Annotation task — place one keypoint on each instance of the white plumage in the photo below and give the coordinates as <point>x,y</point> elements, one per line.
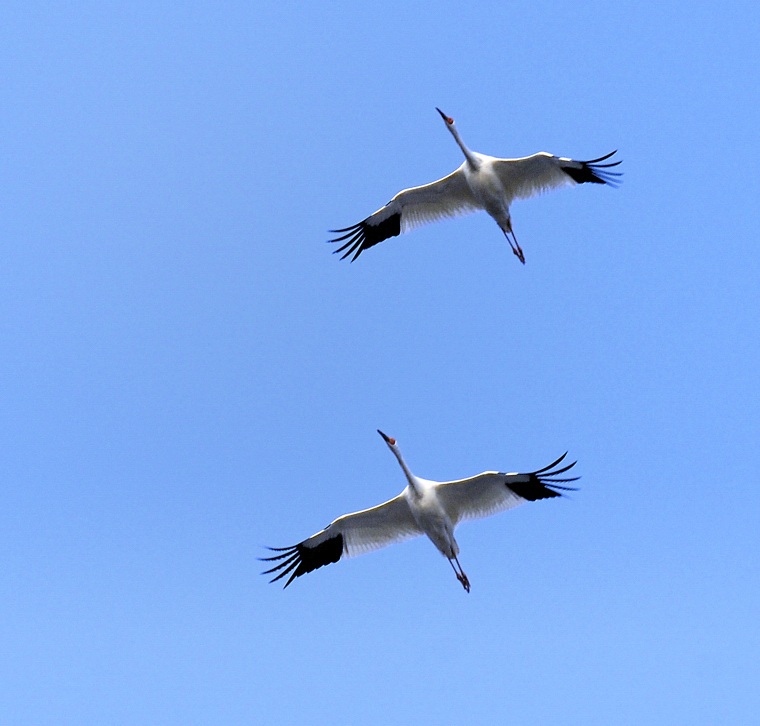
<point>481,183</point>
<point>423,507</point>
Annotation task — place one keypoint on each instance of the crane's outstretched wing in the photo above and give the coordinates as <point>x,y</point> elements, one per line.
<point>492,492</point>
<point>348,536</point>
<point>532,175</point>
<point>410,208</point>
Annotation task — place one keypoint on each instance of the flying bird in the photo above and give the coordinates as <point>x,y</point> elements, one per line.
<point>423,507</point>
<point>482,182</point>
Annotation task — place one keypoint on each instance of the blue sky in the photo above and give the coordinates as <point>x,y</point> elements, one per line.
<point>189,375</point>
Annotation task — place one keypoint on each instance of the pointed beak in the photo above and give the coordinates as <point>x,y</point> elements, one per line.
<point>388,439</point>
<point>449,121</point>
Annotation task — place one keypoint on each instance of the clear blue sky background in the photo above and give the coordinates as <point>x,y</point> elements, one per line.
<point>187,373</point>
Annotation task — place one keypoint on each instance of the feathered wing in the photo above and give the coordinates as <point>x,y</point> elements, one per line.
<point>348,536</point>
<point>492,492</point>
<point>532,175</point>
<point>443,199</point>
<point>410,208</point>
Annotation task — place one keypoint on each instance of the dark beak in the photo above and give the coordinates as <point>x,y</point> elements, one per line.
<point>387,439</point>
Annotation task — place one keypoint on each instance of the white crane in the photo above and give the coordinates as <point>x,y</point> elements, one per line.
<point>482,182</point>
<point>424,507</point>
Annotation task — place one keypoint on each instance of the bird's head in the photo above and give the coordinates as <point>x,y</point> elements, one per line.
<point>446,119</point>
<point>388,440</point>
<point>414,482</point>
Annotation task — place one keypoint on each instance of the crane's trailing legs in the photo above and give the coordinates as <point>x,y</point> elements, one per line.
<point>460,574</point>
<point>513,242</point>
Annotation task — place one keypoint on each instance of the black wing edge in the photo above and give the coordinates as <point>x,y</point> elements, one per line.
<point>301,559</point>
<point>364,235</point>
<point>593,171</point>
<point>543,483</point>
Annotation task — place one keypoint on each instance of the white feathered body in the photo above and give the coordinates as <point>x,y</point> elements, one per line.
<point>431,517</point>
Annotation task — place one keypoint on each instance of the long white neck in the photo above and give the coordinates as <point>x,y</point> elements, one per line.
<point>471,158</point>
<point>413,481</point>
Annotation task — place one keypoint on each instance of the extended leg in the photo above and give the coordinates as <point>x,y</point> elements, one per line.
<point>507,229</point>
<point>460,574</point>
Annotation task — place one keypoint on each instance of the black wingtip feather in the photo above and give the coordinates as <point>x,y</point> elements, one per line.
<point>300,559</point>
<point>543,484</point>
<point>594,172</point>
<point>365,235</point>
<point>552,465</point>
<point>603,158</point>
